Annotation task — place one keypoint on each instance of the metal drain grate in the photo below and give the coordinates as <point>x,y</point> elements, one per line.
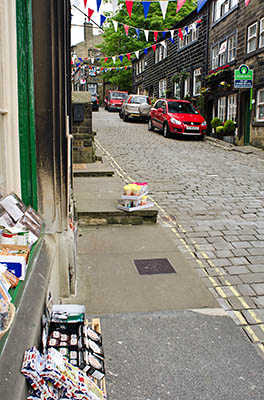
<point>154,266</point>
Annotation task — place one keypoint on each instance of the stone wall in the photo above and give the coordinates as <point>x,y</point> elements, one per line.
<point>83,149</point>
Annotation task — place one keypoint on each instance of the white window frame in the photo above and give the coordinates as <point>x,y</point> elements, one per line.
<point>221,8</point>
<point>156,55</point>
<point>187,86</point>
<point>231,48</point>
<point>215,57</point>
<point>261,33</point>
<point>162,87</point>
<point>252,37</point>
<point>177,90</point>
<point>232,107</point>
<point>197,73</point>
<point>259,104</point>
<point>194,34</point>
<point>221,108</point>
<point>222,55</point>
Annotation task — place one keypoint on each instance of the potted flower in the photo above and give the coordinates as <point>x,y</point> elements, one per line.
<point>229,131</point>
<point>216,122</point>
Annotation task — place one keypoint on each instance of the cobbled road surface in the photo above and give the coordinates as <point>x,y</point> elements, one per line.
<point>213,197</point>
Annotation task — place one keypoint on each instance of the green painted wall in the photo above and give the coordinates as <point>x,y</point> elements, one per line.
<point>26,110</point>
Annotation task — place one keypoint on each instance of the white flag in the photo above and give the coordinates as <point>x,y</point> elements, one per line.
<point>115,23</point>
<point>172,34</point>
<point>163,43</point>
<point>114,5</point>
<point>137,53</point>
<point>92,60</point>
<point>146,34</point>
<point>194,26</point>
<point>114,59</point>
<point>163,6</point>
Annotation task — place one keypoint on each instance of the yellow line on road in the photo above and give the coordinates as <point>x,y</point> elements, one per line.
<point>221,292</point>
<point>252,334</point>
<point>254,315</point>
<point>260,345</point>
<point>240,317</point>
<point>213,281</point>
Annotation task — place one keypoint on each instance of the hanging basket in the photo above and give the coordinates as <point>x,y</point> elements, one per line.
<point>10,318</point>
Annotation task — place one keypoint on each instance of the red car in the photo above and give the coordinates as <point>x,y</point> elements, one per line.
<point>175,117</point>
<point>114,100</point>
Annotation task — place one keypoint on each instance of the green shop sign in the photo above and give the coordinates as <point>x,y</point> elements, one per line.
<point>243,77</point>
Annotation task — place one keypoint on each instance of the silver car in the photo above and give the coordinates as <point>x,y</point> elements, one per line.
<point>135,106</point>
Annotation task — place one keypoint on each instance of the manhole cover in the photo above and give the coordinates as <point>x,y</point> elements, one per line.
<point>154,266</point>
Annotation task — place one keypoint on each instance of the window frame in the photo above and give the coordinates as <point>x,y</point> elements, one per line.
<point>261,33</point>
<point>162,89</point>
<point>221,107</point>
<point>177,88</point>
<point>232,107</point>
<point>233,49</point>
<point>195,81</point>
<point>252,37</point>
<point>258,106</point>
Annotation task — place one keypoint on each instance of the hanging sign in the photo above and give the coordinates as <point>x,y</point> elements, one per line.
<point>243,77</point>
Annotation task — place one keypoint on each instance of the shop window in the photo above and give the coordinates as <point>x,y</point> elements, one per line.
<point>261,33</point>
<point>252,38</point>
<point>232,107</point>
<point>232,48</point>
<point>197,81</point>
<point>177,90</point>
<point>260,105</point>
<point>222,108</point>
<point>162,87</point>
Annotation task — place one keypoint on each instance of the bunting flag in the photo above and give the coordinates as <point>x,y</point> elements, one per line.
<point>115,23</point>
<point>79,58</point>
<point>137,31</point>
<point>105,59</point>
<point>102,19</point>
<point>137,54</point>
<point>146,35</point>
<point>126,29</point>
<point>180,33</point>
<point>121,58</point>
<point>114,5</point>
<point>129,6</point>
<point>163,43</point>
<point>186,30</point>
<point>90,13</point>
<point>163,6</point>
<point>92,60</point>
<point>154,46</point>
<point>200,4</point>
<point>146,51</point>
<point>155,36</point>
<point>146,5</point>
<point>172,34</point>
<point>98,2</point>
<point>180,3</point>
<point>128,56</point>
<point>85,3</point>
<point>114,59</point>
<point>247,3</point>
<point>172,40</point>
<point>164,34</point>
<point>125,67</point>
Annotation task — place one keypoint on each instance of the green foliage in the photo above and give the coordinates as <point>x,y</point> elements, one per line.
<point>180,77</point>
<point>117,43</point>
<point>220,130</point>
<point>229,127</point>
<point>216,122</point>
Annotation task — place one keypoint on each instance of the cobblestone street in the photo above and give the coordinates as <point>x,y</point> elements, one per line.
<point>212,200</point>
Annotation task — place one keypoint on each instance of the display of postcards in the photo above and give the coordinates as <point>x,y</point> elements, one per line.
<point>95,348</point>
<point>64,337</point>
<point>73,340</point>
<point>74,361</point>
<point>93,335</point>
<point>73,354</point>
<point>94,366</point>
<point>6,220</point>
<point>64,351</point>
<point>32,214</point>
<point>63,344</point>
<point>53,342</point>
<point>13,205</point>
<point>26,224</point>
<point>55,335</point>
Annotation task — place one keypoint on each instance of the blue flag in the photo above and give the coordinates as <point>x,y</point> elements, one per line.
<point>200,4</point>
<point>121,58</point>
<point>137,30</point>
<point>172,40</point>
<point>146,5</point>
<point>164,34</point>
<point>98,2</point>
<point>102,19</point>
<point>146,51</point>
<point>80,59</point>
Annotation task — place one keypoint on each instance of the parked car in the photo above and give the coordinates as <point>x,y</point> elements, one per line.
<point>135,106</point>
<point>114,99</point>
<point>177,117</point>
<point>95,102</point>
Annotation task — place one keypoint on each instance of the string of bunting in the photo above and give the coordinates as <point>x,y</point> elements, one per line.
<point>98,70</point>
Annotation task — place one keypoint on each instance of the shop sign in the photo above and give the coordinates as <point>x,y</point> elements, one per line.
<point>243,77</point>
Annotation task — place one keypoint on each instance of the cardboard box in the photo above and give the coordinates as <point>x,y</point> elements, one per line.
<point>13,205</point>
<point>15,262</point>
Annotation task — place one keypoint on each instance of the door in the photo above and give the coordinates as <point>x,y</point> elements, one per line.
<point>244,120</point>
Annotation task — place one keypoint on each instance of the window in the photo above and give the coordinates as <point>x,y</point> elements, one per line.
<point>197,81</point>
<point>232,107</point>
<point>160,53</point>
<point>189,37</point>
<point>252,38</point>
<point>187,86</point>
<point>260,105</point>
<point>156,55</point>
<point>221,108</point>
<point>194,34</point>
<point>261,33</point>
<point>231,48</point>
<point>177,90</point>
<point>162,87</point>
<point>215,57</point>
<point>137,68</point>
<point>222,53</point>
<point>222,7</point>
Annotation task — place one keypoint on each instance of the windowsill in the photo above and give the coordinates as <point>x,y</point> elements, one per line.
<point>257,124</point>
<point>224,16</point>
<point>186,47</point>
<point>254,53</point>
<point>160,61</point>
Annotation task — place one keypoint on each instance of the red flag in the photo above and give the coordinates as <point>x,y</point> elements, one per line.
<point>90,13</point>
<point>154,47</point>
<point>128,56</point>
<point>155,35</point>
<point>102,68</point>
<point>126,28</point>
<point>106,58</point>
<point>85,3</point>
<point>125,67</point>
<point>246,2</point>
<point>90,66</point>
<point>85,58</point>
<point>180,34</point>
<point>129,5</point>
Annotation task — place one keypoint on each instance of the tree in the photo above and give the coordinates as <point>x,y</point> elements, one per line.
<point>118,43</point>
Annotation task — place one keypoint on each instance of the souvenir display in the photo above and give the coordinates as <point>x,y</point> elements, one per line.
<point>134,197</point>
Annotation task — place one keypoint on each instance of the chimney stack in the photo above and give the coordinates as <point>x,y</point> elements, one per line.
<point>88,31</point>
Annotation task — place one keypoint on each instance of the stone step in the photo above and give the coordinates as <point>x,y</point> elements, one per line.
<point>97,168</point>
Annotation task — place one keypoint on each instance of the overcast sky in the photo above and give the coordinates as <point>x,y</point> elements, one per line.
<point>78,18</point>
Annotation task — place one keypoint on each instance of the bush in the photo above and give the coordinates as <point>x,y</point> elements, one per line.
<point>220,130</point>
<point>216,122</point>
<point>229,127</point>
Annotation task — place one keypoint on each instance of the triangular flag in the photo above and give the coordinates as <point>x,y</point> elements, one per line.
<point>98,2</point>
<point>121,58</point>
<point>137,31</point>
<point>180,34</point>
<point>114,59</point>
<point>163,43</point>
<point>146,5</point>
<point>105,59</point>
<point>79,58</point>
<point>92,60</point>
<point>172,34</point>
<point>137,54</point>
<point>146,34</point>
<point>155,35</point>
<point>128,56</point>
<point>172,40</point>
<point>129,5</point>
<point>102,68</point>
<point>164,34</point>
<point>194,26</point>
<point>163,6</point>
<point>186,30</point>
<point>114,5</point>
<point>180,3</point>
<point>126,28</point>
<point>90,13</point>
<point>115,23</point>
<point>200,4</point>
<point>154,47</point>
<point>198,21</point>
<point>246,2</point>
<point>146,51</point>
<point>85,3</point>
<point>125,67</point>
<point>102,19</point>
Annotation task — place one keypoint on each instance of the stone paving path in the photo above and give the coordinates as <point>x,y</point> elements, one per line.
<point>212,199</point>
